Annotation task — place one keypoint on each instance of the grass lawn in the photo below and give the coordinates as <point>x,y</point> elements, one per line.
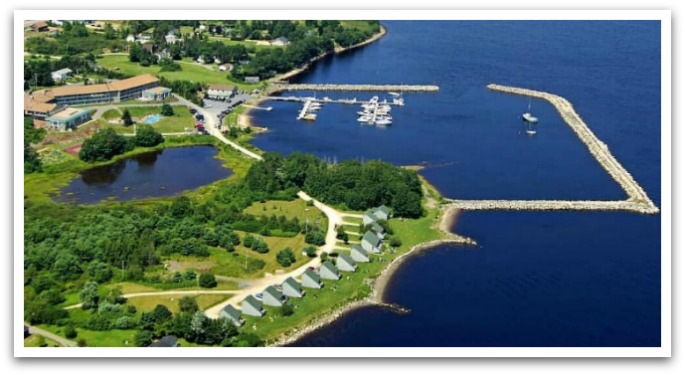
<point>277,244</point>
<point>35,341</point>
<point>181,120</point>
<point>221,263</point>
<point>249,44</point>
<point>112,114</point>
<point>361,25</point>
<point>232,118</point>
<point>290,209</point>
<point>204,301</point>
<point>111,338</point>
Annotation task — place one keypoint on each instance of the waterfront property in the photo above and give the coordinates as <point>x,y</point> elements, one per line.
<point>375,214</point>
<point>156,93</point>
<point>232,314</point>
<point>221,92</point>
<point>292,288</point>
<point>345,263</point>
<point>311,280</point>
<point>273,297</point>
<point>358,254</point>
<point>329,271</point>
<point>68,118</point>
<point>378,229</point>
<point>371,243</point>
<point>166,342</point>
<point>252,307</point>
<point>61,75</point>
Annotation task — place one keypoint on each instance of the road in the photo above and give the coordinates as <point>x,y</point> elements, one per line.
<point>334,218</point>
<point>166,293</point>
<point>41,332</point>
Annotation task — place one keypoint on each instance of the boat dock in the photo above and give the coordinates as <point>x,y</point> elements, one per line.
<point>305,108</point>
<point>637,201</point>
<point>326,100</point>
<point>351,87</point>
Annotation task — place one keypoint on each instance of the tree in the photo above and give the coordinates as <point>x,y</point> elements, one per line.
<point>147,136</point>
<point>143,338</point>
<point>310,251</point>
<point>286,310</point>
<point>197,325</point>
<point>315,238</point>
<point>188,304</point>
<point>32,162</point>
<point>161,314</point>
<point>248,240</point>
<point>126,117</point>
<point>395,241</point>
<point>81,342</point>
<point>207,280</point>
<point>102,146</point>
<point>89,295</point>
<point>70,331</point>
<point>181,207</point>
<point>167,110</point>
<point>285,257</point>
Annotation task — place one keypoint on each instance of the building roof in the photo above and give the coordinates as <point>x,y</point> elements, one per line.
<point>252,301</point>
<point>359,249</point>
<point>221,87</point>
<point>346,258</point>
<point>67,114</point>
<point>270,290</point>
<point>311,274</point>
<point>377,227</point>
<point>124,84</point>
<point>136,81</point>
<point>329,266</point>
<point>232,312</point>
<point>166,342</point>
<point>62,71</point>
<point>158,90</point>
<point>384,209</point>
<point>39,24</point>
<point>31,104</point>
<point>371,214</point>
<point>292,283</point>
<point>371,238</point>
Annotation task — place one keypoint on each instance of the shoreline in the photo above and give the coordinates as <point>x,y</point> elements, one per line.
<point>380,284</point>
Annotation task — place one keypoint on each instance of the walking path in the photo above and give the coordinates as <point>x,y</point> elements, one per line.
<point>166,293</point>
<point>41,332</point>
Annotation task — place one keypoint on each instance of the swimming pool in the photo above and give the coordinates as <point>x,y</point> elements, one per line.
<point>152,119</point>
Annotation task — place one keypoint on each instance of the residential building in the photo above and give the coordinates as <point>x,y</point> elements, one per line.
<point>130,38</point>
<point>378,229</point>
<point>171,38</point>
<point>292,288</point>
<point>369,217</point>
<point>221,92</point>
<point>383,212</point>
<point>252,79</point>
<point>61,75</point>
<point>158,93</point>
<point>329,271</point>
<point>280,41</point>
<point>371,243</point>
<point>273,297</point>
<point>148,46</point>
<point>68,118</point>
<point>35,106</point>
<point>311,280</point>
<point>39,26</point>
<point>226,67</point>
<point>252,307</point>
<point>345,263</point>
<point>232,314</point>
<point>166,342</point>
<point>358,254</point>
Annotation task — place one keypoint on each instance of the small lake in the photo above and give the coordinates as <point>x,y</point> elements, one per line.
<point>160,173</point>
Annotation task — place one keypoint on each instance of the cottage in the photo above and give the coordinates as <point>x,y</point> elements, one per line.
<point>61,75</point>
<point>156,93</point>
<point>345,263</point>
<point>68,118</point>
<point>221,92</point>
<point>378,229</point>
<point>39,26</point>
<point>171,38</point>
<point>359,255</point>
<point>383,212</point>
<point>232,314</point>
<point>369,217</point>
<point>311,279</point>
<point>252,79</point>
<point>273,297</point>
<point>329,271</point>
<point>292,288</point>
<point>130,38</point>
<point>166,342</point>
<point>226,67</point>
<point>371,243</point>
<point>252,307</point>
<point>280,41</point>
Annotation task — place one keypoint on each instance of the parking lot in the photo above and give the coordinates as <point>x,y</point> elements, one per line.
<point>220,109</point>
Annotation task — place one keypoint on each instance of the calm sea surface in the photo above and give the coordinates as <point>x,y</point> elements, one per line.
<point>538,279</point>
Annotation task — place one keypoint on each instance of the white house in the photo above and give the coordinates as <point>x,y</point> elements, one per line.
<point>226,67</point>
<point>171,38</point>
<point>130,38</point>
<point>61,75</point>
<point>221,92</point>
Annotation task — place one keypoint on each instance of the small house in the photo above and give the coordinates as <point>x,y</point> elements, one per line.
<point>345,263</point>
<point>221,92</point>
<point>158,93</point>
<point>226,67</point>
<point>166,342</point>
<point>371,243</point>
<point>67,118</point>
<point>369,217</point>
<point>329,271</point>
<point>130,38</point>
<point>171,38</point>
<point>149,47</point>
<point>378,229</point>
<point>311,279</point>
<point>61,75</point>
<point>39,26</point>
<point>252,79</point>
<point>232,314</point>
<point>292,288</point>
<point>358,254</point>
<point>273,297</point>
<point>383,212</point>
<point>252,307</point>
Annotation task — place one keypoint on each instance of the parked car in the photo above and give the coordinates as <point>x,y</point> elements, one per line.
<point>193,111</point>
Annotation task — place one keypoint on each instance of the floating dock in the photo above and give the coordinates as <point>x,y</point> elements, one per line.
<point>305,108</point>
<point>362,87</point>
<point>637,201</point>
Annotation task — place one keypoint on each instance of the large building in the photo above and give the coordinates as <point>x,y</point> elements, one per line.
<point>221,92</point>
<point>68,118</point>
<point>115,91</point>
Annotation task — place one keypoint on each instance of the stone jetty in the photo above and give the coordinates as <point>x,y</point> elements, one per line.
<point>637,201</point>
<point>277,87</point>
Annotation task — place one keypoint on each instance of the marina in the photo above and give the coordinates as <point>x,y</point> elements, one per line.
<point>373,111</point>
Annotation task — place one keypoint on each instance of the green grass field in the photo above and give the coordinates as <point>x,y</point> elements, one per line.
<point>36,341</point>
<point>181,120</point>
<point>204,301</point>
<point>290,209</point>
<point>111,338</point>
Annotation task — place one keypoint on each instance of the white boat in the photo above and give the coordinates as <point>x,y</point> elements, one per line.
<point>309,117</point>
<point>398,101</point>
<point>364,113</point>
<point>365,118</point>
<point>384,107</point>
<point>387,120</point>
<point>395,93</point>
<point>528,116</point>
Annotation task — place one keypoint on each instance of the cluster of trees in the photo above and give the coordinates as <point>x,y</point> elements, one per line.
<point>37,70</point>
<point>356,185</point>
<point>32,162</point>
<point>286,257</point>
<point>106,143</point>
<point>186,89</point>
<point>75,39</point>
<point>256,243</point>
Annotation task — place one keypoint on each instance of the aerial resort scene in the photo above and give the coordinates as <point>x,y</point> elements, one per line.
<point>341,183</point>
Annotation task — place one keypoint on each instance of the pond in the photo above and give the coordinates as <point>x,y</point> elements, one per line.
<point>161,173</point>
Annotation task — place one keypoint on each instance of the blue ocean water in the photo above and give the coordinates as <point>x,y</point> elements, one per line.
<point>538,279</point>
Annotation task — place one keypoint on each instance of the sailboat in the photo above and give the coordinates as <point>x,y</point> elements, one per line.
<point>528,117</point>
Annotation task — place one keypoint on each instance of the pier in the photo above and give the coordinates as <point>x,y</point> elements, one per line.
<point>302,99</point>
<point>351,87</point>
<point>637,201</point>
<point>305,108</point>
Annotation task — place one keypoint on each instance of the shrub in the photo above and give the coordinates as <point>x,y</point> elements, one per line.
<point>286,310</point>
<point>167,110</point>
<point>147,136</point>
<point>81,342</point>
<point>124,322</point>
<point>310,251</point>
<point>144,338</point>
<point>285,257</point>
<point>70,332</point>
<point>395,241</point>
<point>207,280</point>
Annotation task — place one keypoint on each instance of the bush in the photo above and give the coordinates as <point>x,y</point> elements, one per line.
<point>315,238</point>
<point>167,110</point>
<point>144,338</point>
<point>286,310</point>
<point>310,251</point>
<point>147,136</point>
<point>124,322</point>
<point>70,332</point>
<point>260,246</point>
<point>81,343</point>
<point>126,117</point>
<point>323,256</point>
<point>188,305</point>
<point>248,240</point>
<point>207,280</point>
<point>285,257</point>
<point>395,241</point>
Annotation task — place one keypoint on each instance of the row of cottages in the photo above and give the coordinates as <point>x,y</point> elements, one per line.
<point>221,92</point>
<point>358,254</point>
<point>272,296</point>
<point>371,242</point>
